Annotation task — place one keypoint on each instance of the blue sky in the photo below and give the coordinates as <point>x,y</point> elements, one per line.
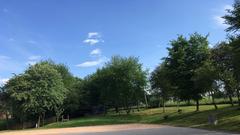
<point>83,34</point>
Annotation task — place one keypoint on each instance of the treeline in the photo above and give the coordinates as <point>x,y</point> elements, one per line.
<point>47,89</point>
<point>191,71</point>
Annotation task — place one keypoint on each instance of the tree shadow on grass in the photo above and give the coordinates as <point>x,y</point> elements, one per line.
<point>198,119</point>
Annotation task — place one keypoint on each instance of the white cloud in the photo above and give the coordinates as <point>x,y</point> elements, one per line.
<point>34,57</point>
<point>228,7</point>
<point>3,81</point>
<point>93,38</point>
<point>219,21</point>
<point>7,64</point>
<point>11,39</point>
<point>90,63</point>
<point>94,35</point>
<point>3,57</point>
<point>96,52</point>
<point>32,41</point>
<point>91,41</point>
<point>93,62</point>
<point>32,60</point>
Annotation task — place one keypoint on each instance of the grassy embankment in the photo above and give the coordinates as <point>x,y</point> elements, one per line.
<point>228,118</point>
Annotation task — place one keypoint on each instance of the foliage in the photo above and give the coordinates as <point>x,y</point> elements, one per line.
<point>161,84</point>
<point>233,18</point>
<point>184,58</point>
<point>120,83</point>
<point>38,90</point>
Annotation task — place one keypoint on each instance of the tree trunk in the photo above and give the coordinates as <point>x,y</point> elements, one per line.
<point>231,100</point>
<point>43,119</point>
<point>39,121</point>
<point>197,105</point>
<point>188,102</point>
<point>177,105</point>
<point>213,100</point>
<point>7,124</point>
<point>146,102</point>
<point>57,118</point>
<point>159,103</point>
<point>128,109</point>
<point>127,106</point>
<point>163,105</point>
<point>238,96</point>
<point>105,110</point>
<point>138,109</point>
<point>116,109</point>
<point>22,122</point>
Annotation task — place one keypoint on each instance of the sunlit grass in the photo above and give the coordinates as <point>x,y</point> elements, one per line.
<point>228,117</point>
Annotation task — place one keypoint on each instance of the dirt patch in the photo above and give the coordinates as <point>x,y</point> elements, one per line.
<point>88,129</point>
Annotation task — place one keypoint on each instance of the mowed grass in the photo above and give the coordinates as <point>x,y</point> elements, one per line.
<point>228,118</point>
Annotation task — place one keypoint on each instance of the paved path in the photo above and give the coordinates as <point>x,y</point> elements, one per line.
<point>124,129</point>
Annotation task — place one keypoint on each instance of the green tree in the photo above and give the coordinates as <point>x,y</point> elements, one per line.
<point>38,90</point>
<point>233,18</point>
<point>185,56</point>
<point>235,45</point>
<point>161,84</point>
<point>17,89</point>
<point>75,99</point>
<point>223,60</point>
<point>4,105</point>
<point>205,80</point>
<point>120,83</point>
<point>128,80</point>
<point>73,95</point>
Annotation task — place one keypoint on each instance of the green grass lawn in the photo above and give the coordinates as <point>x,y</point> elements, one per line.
<point>228,118</point>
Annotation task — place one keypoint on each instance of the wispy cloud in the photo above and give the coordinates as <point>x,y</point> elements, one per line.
<point>228,7</point>
<point>93,62</point>
<point>32,60</point>
<point>91,41</point>
<point>32,42</point>
<point>9,65</point>
<point>3,57</point>
<point>219,21</point>
<point>34,57</point>
<point>3,81</point>
<point>11,39</point>
<point>94,35</point>
<point>96,52</point>
<point>93,38</point>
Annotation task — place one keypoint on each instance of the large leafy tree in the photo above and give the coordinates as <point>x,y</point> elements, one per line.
<point>232,18</point>
<point>205,80</point>
<point>17,90</point>
<point>175,64</point>
<point>4,104</point>
<point>129,80</point>
<point>75,98</point>
<point>120,83</point>
<point>185,56</point>
<point>222,57</point>
<point>160,83</point>
<point>38,90</point>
